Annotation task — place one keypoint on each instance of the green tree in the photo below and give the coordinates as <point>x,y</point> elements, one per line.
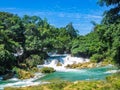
<point>71,31</point>
<point>109,30</point>
<point>112,15</point>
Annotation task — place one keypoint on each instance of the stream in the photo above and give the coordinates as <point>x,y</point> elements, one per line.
<point>62,73</point>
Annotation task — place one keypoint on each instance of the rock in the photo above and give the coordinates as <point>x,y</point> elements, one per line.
<point>22,74</point>
<point>58,64</point>
<point>90,65</point>
<point>82,65</point>
<point>8,76</point>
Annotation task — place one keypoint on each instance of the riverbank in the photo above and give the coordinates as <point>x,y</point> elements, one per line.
<point>88,65</point>
<point>110,83</point>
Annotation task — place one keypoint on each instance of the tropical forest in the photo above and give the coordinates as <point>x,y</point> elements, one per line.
<point>36,55</point>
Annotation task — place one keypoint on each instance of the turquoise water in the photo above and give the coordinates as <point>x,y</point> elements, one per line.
<point>83,74</point>
<point>79,74</point>
<point>98,73</point>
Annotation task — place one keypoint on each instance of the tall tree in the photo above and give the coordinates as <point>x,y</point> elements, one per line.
<point>112,15</point>
<point>109,30</point>
<point>71,31</point>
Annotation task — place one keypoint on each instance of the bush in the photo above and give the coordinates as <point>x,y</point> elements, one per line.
<point>23,66</point>
<point>35,69</point>
<point>22,74</point>
<point>47,70</point>
<point>97,58</point>
<point>7,59</point>
<point>34,60</point>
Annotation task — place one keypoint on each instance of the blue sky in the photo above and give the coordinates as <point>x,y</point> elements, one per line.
<point>59,12</point>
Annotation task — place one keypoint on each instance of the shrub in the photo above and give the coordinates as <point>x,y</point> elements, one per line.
<point>22,74</point>
<point>34,60</point>
<point>47,70</point>
<point>97,58</point>
<point>23,66</point>
<point>7,61</point>
<point>35,69</point>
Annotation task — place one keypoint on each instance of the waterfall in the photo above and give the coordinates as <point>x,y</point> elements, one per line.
<point>64,60</point>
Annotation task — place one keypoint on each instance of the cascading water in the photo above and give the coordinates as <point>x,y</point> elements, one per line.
<point>64,60</point>
<point>61,73</point>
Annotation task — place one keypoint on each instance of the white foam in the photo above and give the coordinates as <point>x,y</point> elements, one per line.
<point>22,83</point>
<point>30,82</point>
<point>66,60</point>
<point>13,79</point>
<point>112,71</point>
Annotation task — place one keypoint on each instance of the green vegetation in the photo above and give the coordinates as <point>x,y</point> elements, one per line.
<point>82,65</point>
<point>25,41</point>
<point>22,74</point>
<point>111,83</point>
<point>103,42</point>
<point>47,70</point>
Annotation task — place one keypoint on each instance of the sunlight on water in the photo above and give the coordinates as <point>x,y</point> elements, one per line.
<point>62,73</point>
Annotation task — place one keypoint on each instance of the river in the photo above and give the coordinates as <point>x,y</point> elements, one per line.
<point>62,73</point>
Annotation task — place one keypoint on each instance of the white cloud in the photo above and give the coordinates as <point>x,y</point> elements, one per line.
<point>81,21</point>
<point>94,16</point>
<point>9,8</point>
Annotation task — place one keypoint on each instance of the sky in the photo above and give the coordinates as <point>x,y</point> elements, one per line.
<point>59,12</point>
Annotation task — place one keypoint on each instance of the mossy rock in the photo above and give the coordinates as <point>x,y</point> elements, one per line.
<point>82,65</point>
<point>22,74</point>
<point>23,66</point>
<point>35,69</point>
<point>59,64</point>
<point>47,70</point>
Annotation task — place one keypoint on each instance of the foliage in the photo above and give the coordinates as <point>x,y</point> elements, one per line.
<point>47,70</point>
<point>33,61</point>
<point>7,60</point>
<point>112,15</point>
<point>31,36</point>
<point>71,31</point>
<point>97,58</point>
<point>103,41</point>
<point>109,37</point>
<point>86,46</point>
<point>22,74</point>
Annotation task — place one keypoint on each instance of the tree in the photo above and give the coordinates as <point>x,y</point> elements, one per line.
<point>112,15</point>
<point>109,30</point>
<point>71,31</point>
